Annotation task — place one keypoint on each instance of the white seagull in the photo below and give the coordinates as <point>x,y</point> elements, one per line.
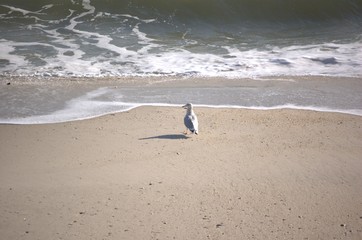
<point>190,119</point>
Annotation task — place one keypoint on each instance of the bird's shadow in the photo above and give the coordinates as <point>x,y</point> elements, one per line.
<point>167,136</point>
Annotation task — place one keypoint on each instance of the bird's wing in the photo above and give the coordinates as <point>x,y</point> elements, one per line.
<point>194,121</point>
<point>189,122</point>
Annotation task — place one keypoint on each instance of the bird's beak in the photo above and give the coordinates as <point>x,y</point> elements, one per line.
<point>184,106</point>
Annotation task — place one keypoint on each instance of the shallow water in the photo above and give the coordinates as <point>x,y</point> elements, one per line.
<point>50,101</point>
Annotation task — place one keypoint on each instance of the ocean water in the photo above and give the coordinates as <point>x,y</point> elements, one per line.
<point>227,39</point>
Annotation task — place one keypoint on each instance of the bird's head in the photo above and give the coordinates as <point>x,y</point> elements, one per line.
<point>187,106</point>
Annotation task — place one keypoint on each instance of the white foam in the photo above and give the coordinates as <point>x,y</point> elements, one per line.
<point>15,9</point>
<point>250,63</point>
<point>15,61</point>
<point>102,41</point>
<point>137,18</point>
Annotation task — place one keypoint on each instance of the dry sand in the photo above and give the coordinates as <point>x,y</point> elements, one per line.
<point>281,174</point>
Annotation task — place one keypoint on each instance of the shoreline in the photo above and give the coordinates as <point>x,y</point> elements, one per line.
<point>291,174</point>
<point>41,120</point>
<point>66,99</point>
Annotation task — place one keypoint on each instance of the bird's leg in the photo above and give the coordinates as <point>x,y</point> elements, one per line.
<point>185,132</point>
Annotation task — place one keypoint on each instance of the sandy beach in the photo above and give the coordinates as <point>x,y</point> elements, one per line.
<point>278,174</point>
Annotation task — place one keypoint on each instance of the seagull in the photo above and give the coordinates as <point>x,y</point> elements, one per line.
<point>190,119</point>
